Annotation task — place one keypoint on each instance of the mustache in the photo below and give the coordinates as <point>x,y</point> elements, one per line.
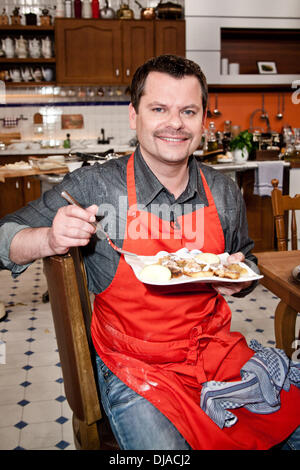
<point>169,132</point>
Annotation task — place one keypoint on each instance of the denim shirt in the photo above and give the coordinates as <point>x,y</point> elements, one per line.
<point>105,185</point>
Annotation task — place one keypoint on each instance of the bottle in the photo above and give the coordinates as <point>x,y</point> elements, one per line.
<point>68,8</point>
<point>95,9</point>
<point>212,143</point>
<point>67,142</point>
<point>60,9</point>
<point>86,9</point>
<point>77,8</point>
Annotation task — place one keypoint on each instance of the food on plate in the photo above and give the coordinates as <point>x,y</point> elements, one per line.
<point>238,268</point>
<point>227,273</point>
<point>174,264</point>
<point>207,258</point>
<point>200,265</point>
<point>155,272</point>
<point>194,269</point>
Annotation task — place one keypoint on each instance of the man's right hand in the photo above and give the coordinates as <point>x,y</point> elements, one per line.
<point>71,227</point>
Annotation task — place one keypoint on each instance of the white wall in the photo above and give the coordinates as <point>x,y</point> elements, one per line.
<point>204,21</point>
<point>243,8</point>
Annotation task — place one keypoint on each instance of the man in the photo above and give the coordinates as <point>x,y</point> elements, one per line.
<point>156,346</point>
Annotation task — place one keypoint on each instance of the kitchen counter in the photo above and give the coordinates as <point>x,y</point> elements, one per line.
<point>63,151</point>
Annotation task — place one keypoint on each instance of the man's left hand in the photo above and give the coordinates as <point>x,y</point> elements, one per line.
<point>230,288</point>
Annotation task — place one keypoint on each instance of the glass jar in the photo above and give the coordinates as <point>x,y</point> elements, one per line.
<point>212,143</point>
<point>292,143</point>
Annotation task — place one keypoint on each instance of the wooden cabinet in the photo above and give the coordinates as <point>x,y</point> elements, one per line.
<point>170,37</point>
<point>17,192</point>
<point>137,45</point>
<point>92,52</point>
<point>107,52</point>
<point>259,215</point>
<point>29,33</point>
<point>259,210</point>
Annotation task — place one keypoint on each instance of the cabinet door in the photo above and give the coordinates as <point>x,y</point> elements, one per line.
<point>259,214</point>
<point>88,52</point>
<point>11,196</point>
<point>137,46</point>
<point>170,37</point>
<point>31,188</point>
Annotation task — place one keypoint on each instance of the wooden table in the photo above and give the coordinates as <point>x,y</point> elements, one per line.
<point>30,172</point>
<point>276,266</point>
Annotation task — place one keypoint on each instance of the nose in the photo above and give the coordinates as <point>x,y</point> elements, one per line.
<point>175,120</point>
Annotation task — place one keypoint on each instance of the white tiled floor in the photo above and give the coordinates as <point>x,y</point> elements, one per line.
<point>34,413</point>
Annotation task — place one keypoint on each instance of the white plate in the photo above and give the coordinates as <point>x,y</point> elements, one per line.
<point>137,264</point>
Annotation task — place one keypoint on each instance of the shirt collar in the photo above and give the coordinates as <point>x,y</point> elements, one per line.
<point>148,186</point>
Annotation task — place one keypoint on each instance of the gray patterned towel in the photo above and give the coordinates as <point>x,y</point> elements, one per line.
<point>263,377</point>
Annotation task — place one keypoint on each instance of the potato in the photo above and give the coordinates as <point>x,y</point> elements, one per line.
<point>155,273</point>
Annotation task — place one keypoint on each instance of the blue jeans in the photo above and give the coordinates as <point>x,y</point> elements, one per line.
<point>135,422</point>
<point>138,425</point>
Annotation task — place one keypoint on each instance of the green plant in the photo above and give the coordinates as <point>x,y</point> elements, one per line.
<point>243,140</point>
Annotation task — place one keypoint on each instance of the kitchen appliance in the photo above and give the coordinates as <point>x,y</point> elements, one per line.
<point>169,11</point>
<point>107,13</point>
<point>146,13</point>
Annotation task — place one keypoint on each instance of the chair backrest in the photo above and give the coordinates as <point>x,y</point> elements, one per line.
<point>280,205</point>
<point>71,310</point>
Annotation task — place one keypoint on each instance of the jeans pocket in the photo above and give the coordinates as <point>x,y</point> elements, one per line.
<point>103,370</point>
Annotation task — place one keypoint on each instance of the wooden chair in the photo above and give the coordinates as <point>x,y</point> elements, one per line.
<point>71,310</point>
<point>285,316</point>
<point>281,204</point>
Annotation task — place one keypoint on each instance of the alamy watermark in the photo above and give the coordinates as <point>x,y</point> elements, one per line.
<point>159,221</point>
<point>296,93</point>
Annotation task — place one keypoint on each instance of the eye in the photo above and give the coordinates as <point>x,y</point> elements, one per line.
<point>158,109</point>
<point>189,112</point>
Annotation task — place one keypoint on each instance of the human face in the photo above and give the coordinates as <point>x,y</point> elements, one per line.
<point>169,120</point>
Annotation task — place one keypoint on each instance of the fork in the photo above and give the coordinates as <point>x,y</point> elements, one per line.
<point>97,226</point>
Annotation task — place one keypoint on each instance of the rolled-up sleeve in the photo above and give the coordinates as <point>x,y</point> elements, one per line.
<point>7,233</point>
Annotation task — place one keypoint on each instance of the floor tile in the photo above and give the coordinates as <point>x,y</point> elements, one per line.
<point>10,395</point>
<point>41,435</point>
<point>34,413</point>
<point>10,414</point>
<point>9,437</point>
<point>42,390</point>
<point>41,411</point>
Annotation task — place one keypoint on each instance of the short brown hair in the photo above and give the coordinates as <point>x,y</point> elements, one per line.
<point>176,66</point>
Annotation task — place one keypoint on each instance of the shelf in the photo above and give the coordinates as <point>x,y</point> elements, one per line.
<point>29,84</point>
<point>213,87</point>
<point>13,60</point>
<point>254,82</point>
<point>18,27</point>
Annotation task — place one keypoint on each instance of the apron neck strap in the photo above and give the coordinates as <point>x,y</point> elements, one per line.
<point>132,200</point>
<point>131,190</point>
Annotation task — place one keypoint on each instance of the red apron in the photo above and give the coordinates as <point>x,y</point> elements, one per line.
<point>165,341</point>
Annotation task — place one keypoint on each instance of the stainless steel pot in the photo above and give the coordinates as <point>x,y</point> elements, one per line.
<point>107,13</point>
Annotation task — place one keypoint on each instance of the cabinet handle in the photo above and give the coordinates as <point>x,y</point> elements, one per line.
<point>117,72</point>
<point>127,72</point>
<point>17,185</point>
<point>28,185</point>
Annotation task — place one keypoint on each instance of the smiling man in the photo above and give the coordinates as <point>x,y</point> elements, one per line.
<point>158,347</point>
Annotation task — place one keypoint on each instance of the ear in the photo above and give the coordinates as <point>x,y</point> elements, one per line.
<point>132,117</point>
